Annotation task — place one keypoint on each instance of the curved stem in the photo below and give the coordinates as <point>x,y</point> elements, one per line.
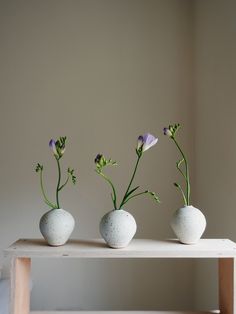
<point>112,186</point>
<point>63,185</point>
<point>181,190</point>
<point>187,196</point>
<point>180,170</point>
<point>58,183</point>
<point>44,194</point>
<point>131,181</point>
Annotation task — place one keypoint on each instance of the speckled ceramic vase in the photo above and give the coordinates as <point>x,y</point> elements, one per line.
<point>56,226</point>
<point>117,228</point>
<point>188,223</point>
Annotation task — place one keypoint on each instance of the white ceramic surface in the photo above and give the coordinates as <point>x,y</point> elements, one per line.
<point>188,223</point>
<point>117,228</point>
<point>56,226</point>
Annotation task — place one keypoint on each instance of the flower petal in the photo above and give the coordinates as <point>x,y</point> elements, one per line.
<point>149,140</point>
<point>52,145</point>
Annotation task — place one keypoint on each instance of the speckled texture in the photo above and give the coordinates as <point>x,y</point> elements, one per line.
<point>117,228</point>
<point>56,226</point>
<point>188,223</point>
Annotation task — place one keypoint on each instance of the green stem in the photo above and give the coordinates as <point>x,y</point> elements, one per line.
<point>112,186</point>
<point>44,194</point>
<point>63,185</point>
<point>181,190</point>
<point>59,182</point>
<point>187,196</point>
<point>131,181</point>
<point>135,195</point>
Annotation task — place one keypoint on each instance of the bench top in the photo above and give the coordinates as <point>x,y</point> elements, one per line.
<point>138,248</point>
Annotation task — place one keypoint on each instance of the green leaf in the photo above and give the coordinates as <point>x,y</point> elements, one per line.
<point>74,179</point>
<point>132,191</point>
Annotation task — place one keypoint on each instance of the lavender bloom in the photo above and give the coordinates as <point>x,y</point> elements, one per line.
<point>167,132</point>
<point>52,145</point>
<point>146,141</point>
<point>58,147</point>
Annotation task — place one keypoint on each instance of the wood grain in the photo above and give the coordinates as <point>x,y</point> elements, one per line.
<point>138,248</point>
<point>227,296</point>
<point>20,290</point>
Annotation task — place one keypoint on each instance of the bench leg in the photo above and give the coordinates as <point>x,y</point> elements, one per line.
<point>227,281</point>
<point>20,286</point>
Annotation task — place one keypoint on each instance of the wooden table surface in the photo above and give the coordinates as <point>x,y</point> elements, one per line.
<point>138,248</point>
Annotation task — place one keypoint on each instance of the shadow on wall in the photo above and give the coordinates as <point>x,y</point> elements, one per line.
<point>4,296</point>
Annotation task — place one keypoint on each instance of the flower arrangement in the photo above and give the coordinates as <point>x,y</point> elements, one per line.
<point>171,133</point>
<point>58,149</point>
<point>145,142</point>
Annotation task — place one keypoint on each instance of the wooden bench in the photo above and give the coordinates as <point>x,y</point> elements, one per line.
<point>23,250</point>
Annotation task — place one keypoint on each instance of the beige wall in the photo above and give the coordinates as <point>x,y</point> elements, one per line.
<point>215,130</point>
<point>101,72</point>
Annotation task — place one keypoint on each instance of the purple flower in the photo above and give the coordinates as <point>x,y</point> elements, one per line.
<point>146,141</point>
<point>58,147</point>
<point>167,132</point>
<point>52,145</point>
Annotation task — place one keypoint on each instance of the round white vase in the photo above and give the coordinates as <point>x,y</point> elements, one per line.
<point>56,226</point>
<point>118,228</point>
<point>188,223</point>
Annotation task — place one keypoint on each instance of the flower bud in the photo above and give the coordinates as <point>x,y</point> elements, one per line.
<point>167,132</point>
<point>52,145</point>
<point>98,159</point>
